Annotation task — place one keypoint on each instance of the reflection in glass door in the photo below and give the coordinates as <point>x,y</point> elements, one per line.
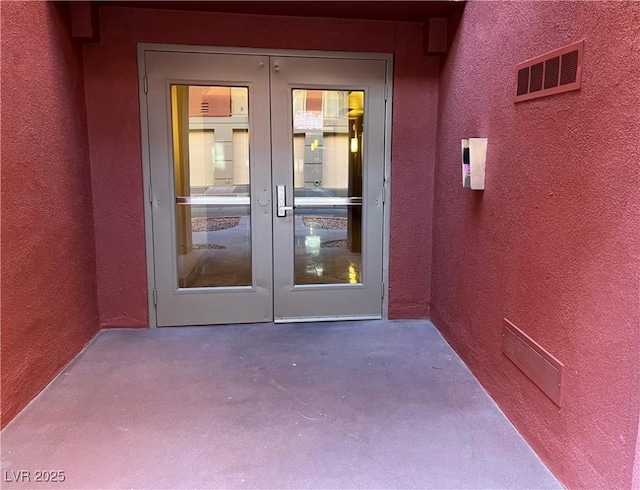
<point>210,135</point>
<point>327,156</point>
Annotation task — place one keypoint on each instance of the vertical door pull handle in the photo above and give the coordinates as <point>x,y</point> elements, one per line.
<point>281,196</point>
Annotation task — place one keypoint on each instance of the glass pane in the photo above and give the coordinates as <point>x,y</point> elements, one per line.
<point>327,167</point>
<point>212,187</point>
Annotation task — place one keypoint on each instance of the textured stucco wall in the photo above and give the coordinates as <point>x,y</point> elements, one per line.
<point>49,306</point>
<point>553,243</point>
<point>114,138</point>
<point>635,485</point>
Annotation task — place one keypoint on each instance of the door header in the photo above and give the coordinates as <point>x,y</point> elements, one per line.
<point>298,53</point>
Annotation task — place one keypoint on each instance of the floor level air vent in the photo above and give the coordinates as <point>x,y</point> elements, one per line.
<point>549,74</point>
<point>538,364</point>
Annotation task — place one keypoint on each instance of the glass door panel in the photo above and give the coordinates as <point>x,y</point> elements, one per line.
<point>327,164</point>
<point>210,139</point>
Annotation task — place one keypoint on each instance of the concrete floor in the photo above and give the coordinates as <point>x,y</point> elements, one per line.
<point>384,404</point>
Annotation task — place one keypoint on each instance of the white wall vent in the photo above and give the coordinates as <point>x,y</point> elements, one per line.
<point>552,73</point>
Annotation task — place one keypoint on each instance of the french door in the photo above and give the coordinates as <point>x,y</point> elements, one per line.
<point>266,187</point>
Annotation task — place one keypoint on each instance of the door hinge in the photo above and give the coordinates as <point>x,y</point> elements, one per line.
<point>155,297</point>
<point>150,194</point>
<point>382,289</point>
<point>146,84</point>
<point>386,92</point>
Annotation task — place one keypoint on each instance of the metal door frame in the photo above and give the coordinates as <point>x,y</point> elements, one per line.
<point>146,161</point>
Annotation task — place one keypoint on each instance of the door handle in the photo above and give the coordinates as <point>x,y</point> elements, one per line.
<point>281,197</point>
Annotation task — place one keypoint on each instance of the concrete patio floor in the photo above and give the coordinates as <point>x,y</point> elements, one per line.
<point>378,404</point>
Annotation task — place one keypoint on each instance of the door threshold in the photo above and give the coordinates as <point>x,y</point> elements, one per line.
<point>308,319</point>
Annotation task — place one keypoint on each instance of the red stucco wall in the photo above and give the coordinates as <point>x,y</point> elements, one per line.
<point>114,136</point>
<point>49,307</point>
<point>553,243</point>
<point>636,467</point>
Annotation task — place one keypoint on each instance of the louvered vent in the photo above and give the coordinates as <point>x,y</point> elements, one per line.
<point>523,81</point>
<point>549,74</point>
<point>204,107</point>
<point>569,70</point>
<point>551,71</point>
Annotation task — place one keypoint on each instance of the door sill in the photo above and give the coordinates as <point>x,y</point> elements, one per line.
<point>331,318</point>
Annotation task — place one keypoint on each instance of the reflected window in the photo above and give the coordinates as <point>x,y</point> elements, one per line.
<point>212,186</point>
<point>327,168</point>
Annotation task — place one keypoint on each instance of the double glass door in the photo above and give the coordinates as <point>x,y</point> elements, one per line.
<point>266,187</point>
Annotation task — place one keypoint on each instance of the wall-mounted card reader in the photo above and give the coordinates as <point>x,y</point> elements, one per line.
<point>474,157</point>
